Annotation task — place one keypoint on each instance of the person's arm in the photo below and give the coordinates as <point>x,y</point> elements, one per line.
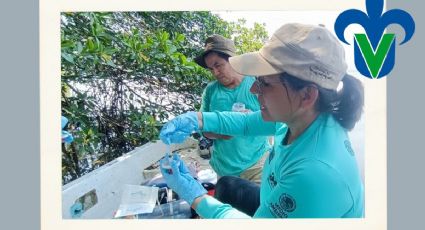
<point>235,124</point>
<point>312,190</point>
<point>210,208</point>
<point>226,123</point>
<point>205,101</point>
<point>191,190</point>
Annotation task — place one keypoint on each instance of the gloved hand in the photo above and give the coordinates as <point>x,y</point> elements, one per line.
<point>179,128</point>
<point>64,121</point>
<point>180,180</point>
<point>66,136</point>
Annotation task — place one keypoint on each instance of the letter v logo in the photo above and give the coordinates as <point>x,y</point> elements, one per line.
<point>374,51</point>
<point>374,58</point>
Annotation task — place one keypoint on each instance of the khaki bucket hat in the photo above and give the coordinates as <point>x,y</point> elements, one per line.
<point>216,43</point>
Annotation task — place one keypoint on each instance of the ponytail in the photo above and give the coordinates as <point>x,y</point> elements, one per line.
<point>346,105</point>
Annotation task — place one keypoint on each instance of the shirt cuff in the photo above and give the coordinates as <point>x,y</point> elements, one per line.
<point>210,208</point>
<point>209,121</point>
<point>207,206</point>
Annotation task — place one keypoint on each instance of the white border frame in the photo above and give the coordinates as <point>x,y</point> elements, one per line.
<point>51,214</point>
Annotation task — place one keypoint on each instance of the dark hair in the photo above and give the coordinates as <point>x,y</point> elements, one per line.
<point>346,105</point>
<point>220,54</point>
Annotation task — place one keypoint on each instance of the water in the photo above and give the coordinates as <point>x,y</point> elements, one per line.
<point>168,159</point>
<point>167,162</point>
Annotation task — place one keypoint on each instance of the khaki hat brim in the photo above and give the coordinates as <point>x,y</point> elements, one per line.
<point>200,60</point>
<point>252,64</point>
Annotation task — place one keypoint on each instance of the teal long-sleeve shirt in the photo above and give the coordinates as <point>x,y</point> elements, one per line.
<point>316,176</point>
<point>232,157</point>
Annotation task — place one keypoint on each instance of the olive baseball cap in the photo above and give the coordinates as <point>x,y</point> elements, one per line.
<point>308,52</point>
<point>216,43</point>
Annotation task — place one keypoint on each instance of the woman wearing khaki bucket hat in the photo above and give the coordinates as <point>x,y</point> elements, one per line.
<point>312,171</point>
<point>240,156</point>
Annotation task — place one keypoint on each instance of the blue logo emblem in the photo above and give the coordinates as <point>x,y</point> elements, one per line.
<point>374,51</point>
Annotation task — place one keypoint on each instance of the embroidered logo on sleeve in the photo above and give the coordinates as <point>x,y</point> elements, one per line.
<point>350,150</point>
<point>286,204</point>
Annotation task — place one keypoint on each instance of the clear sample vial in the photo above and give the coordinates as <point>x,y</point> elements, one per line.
<point>238,107</point>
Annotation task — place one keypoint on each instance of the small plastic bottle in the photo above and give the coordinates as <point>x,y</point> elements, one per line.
<point>178,209</point>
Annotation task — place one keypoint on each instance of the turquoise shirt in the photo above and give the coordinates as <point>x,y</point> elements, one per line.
<point>316,176</point>
<point>232,157</point>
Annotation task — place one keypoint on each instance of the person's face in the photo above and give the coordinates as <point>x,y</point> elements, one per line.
<point>220,68</point>
<point>278,102</point>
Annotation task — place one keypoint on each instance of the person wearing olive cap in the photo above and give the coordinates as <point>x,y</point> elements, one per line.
<point>312,171</point>
<point>231,156</point>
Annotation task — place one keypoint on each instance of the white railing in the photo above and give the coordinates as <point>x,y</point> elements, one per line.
<point>108,180</point>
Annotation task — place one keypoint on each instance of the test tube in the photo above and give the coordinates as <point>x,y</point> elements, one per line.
<point>168,159</point>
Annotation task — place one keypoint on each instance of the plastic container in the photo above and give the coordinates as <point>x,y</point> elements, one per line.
<point>207,175</point>
<point>238,107</point>
<point>173,210</point>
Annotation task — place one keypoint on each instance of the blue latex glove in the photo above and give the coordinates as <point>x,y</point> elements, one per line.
<point>180,180</point>
<point>67,137</point>
<point>179,128</point>
<point>64,121</point>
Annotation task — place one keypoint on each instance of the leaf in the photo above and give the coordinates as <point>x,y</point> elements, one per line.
<point>142,56</point>
<point>67,44</point>
<point>68,57</point>
<point>79,47</point>
<point>160,56</point>
<point>90,44</point>
<point>180,38</point>
<point>105,57</point>
<point>110,63</point>
<point>172,48</point>
<point>183,58</point>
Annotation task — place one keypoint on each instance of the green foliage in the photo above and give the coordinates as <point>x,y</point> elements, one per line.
<point>248,40</point>
<point>125,73</point>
